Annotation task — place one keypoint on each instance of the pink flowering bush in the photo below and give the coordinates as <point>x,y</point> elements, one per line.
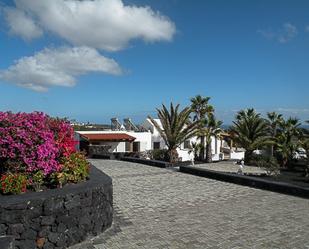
<point>33,142</point>
<point>63,135</point>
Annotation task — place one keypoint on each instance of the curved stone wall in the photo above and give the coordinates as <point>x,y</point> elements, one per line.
<point>58,218</point>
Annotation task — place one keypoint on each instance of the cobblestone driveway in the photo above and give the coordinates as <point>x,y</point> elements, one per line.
<point>161,208</point>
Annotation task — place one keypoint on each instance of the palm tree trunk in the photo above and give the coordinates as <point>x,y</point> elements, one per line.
<point>284,162</point>
<point>248,156</point>
<point>271,150</point>
<point>202,152</point>
<point>173,156</point>
<point>208,153</point>
<point>307,166</point>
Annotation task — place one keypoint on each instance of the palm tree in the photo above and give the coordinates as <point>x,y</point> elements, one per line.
<point>201,109</point>
<point>250,131</point>
<point>287,140</point>
<point>213,129</point>
<point>273,121</point>
<point>304,142</point>
<point>176,128</point>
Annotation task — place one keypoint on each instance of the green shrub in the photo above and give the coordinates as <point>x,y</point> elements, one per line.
<point>160,155</point>
<point>269,163</point>
<point>75,168</point>
<point>37,180</point>
<point>13,183</point>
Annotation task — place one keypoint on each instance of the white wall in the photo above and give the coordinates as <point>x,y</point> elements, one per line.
<point>184,155</point>
<point>143,137</point>
<point>237,155</point>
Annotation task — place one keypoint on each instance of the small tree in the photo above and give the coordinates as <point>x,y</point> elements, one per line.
<point>304,143</point>
<point>201,110</point>
<point>287,140</point>
<point>213,129</point>
<point>250,131</point>
<point>273,121</point>
<point>176,128</point>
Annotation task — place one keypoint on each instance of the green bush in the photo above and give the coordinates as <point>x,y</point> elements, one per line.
<point>269,163</point>
<point>13,183</point>
<point>160,155</point>
<point>37,180</point>
<point>75,168</point>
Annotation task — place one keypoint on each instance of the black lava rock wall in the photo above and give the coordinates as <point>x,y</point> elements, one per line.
<point>57,218</point>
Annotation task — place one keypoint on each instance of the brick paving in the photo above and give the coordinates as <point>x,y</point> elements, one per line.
<point>231,167</point>
<point>161,208</point>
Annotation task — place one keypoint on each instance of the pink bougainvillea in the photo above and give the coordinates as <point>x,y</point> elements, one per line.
<point>63,135</point>
<point>33,141</point>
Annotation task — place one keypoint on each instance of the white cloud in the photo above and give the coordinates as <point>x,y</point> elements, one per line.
<point>289,31</point>
<point>21,24</point>
<point>101,24</point>
<point>283,35</point>
<point>58,67</point>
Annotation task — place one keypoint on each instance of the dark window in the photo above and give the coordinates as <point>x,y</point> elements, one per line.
<point>136,146</point>
<point>156,145</point>
<point>128,147</point>
<point>187,144</point>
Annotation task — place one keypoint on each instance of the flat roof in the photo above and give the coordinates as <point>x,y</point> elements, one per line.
<point>108,137</point>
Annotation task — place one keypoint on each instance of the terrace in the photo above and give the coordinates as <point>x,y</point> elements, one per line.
<point>162,208</point>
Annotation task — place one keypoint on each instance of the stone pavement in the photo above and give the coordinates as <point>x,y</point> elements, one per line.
<point>231,167</point>
<point>161,208</point>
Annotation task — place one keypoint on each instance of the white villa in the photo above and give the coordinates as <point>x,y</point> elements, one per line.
<point>127,137</point>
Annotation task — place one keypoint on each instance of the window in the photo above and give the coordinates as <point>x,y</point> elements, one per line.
<point>156,145</point>
<point>136,146</point>
<point>128,147</point>
<point>187,144</point>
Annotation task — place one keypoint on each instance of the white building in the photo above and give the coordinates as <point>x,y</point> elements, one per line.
<point>124,140</point>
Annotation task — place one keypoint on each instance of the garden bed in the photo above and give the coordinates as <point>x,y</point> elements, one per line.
<point>275,184</point>
<point>155,163</point>
<point>294,177</point>
<point>58,218</point>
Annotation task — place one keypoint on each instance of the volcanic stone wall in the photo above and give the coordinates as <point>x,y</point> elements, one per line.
<point>57,218</point>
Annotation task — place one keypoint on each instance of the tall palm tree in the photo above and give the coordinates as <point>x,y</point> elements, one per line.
<point>201,109</point>
<point>250,131</point>
<point>287,141</point>
<point>176,127</point>
<point>273,120</point>
<point>213,129</point>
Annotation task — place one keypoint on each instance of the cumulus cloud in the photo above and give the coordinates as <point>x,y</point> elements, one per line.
<point>58,67</point>
<point>283,35</point>
<point>101,24</point>
<point>21,24</point>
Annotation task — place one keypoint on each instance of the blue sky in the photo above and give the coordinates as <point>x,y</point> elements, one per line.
<point>241,53</point>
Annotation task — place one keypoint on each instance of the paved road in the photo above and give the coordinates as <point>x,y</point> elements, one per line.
<point>231,167</point>
<point>160,208</point>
